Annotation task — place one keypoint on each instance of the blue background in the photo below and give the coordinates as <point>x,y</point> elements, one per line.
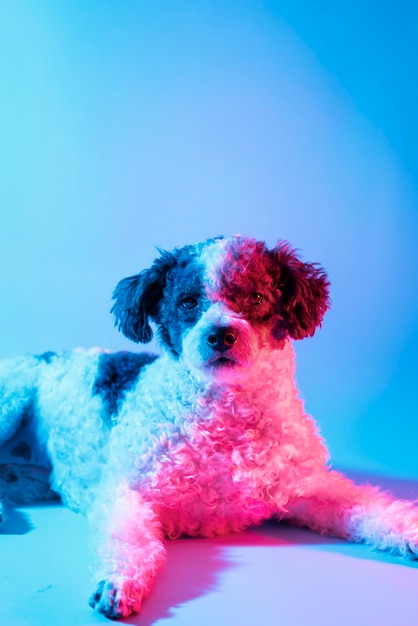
<point>127,125</point>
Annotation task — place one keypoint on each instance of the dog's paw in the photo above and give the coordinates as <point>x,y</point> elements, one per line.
<point>116,598</point>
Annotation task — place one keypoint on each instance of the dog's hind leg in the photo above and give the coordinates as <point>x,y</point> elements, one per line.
<point>24,469</point>
<point>365,514</point>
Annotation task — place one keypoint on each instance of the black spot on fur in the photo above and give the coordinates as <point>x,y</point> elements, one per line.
<point>22,450</point>
<point>10,475</point>
<point>46,356</point>
<point>116,374</point>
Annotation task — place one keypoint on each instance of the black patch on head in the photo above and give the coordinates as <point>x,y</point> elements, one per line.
<point>46,356</point>
<point>139,299</point>
<point>246,281</point>
<point>117,374</point>
<point>184,283</point>
<point>274,286</point>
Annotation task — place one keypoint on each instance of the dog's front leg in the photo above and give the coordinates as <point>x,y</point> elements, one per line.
<point>130,551</point>
<point>338,507</point>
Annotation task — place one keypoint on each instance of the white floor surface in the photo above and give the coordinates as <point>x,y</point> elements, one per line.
<point>271,575</point>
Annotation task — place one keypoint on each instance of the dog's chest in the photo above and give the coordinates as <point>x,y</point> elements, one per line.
<point>213,459</point>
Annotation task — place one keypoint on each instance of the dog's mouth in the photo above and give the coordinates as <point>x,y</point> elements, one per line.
<point>222,361</point>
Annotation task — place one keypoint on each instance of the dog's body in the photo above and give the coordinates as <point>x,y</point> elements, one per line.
<point>208,438</point>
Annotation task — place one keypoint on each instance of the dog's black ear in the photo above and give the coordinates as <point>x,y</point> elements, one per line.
<point>137,299</point>
<point>304,289</point>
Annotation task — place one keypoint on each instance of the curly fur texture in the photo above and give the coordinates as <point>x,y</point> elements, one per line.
<point>210,437</point>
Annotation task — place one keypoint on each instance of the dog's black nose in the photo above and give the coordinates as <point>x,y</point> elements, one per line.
<point>222,338</point>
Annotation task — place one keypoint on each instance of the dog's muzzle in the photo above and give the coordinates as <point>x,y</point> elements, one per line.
<point>221,344</point>
<point>220,340</point>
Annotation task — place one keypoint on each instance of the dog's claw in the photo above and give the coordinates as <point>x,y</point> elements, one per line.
<point>105,601</point>
<point>95,597</point>
<point>115,600</point>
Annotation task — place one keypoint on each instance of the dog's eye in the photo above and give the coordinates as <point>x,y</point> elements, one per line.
<point>256,298</point>
<point>189,302</point>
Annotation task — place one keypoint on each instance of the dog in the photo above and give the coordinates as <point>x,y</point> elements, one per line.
<point>207,438</point>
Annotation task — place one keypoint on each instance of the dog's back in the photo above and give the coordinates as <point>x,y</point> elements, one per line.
<point>60,405</point>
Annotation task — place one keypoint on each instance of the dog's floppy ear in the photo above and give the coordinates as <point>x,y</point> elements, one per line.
<point>304,291</point>
<point>137,299</point>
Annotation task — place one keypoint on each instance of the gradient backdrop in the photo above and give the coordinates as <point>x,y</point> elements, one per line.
<point>131,124</point>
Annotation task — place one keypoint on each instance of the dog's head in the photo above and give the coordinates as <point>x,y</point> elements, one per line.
<point>217,304</point>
